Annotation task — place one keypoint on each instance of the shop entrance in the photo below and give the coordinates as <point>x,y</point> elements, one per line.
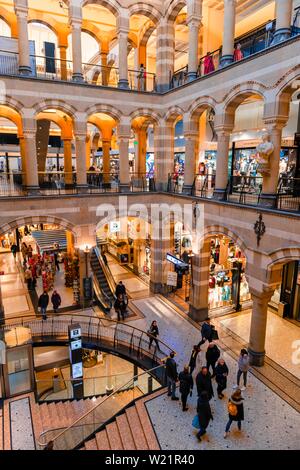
<point>286,298</point>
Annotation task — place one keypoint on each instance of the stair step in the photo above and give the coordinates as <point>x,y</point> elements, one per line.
<point>91,445</point>
<point>114,436</point>
<point>55,422</point>
<point>125,432</point>
<point>137,428</point>
<point>102,440</point>
<point>36,418</point>
<point>45,417</point>
<point>147,426</point>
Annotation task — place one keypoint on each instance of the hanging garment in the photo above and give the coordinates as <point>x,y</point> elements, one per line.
<point>238,55</point>
<point>208,64</point>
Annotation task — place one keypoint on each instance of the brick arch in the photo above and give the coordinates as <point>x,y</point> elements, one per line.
<point>173,113</point>
<point>105,109</point>
<point>55,104</point>
<point>146,32</point>
<point>222,230</point>
<point>200,105</point>
<point>37,219</point>
<point>145,9</point>
<point>6,17</point>
<point>241,92</point>
<point>12,103</point>
<point>48,24</point>
<point>174,8</point>
<point>145,112</point>
<point>112,5</point>
<point>283,256</point>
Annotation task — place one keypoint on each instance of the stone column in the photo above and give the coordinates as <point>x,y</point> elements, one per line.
<point>68,162</point>
<point>191,147</point>
<point>284,9</point>
<point>122,31</point>
<point>104,69</point>
<point>142,150</point>
<point>258,326</point>
<point>106,144</point>
<point>80,143</point>
<point>23,40</point>
<point>63,61</point>
<point>194,26</point>
<point>222,162</point>
<point>123,138</point>
<point>32,180</point>
<point>198,309</point>
<point>163,153</point>
<point>23,159</point>
<point>160,245</point>
<point>88,152</point>
<point>76,49</point>
<point>270,182</point>
<point>228,32</point>
<point>165,47</point>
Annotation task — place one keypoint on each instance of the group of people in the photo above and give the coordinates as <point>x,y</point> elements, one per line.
<point>203,367</point>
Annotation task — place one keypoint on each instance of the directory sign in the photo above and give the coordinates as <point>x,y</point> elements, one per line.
<point>176,261</point>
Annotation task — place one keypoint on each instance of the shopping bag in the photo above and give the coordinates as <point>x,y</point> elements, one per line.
<point>195,422</point>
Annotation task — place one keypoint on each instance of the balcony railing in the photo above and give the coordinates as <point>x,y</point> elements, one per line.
<point>50,68</point>
<point>244,189</point>
<point>288,195</point>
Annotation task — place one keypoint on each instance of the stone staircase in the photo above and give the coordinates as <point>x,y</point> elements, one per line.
<point>58,415</point>
<point>131,430</point>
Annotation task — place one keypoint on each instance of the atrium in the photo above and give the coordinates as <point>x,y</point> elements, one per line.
<point>149,225</point>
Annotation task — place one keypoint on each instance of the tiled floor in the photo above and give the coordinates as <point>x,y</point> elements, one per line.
<point>21,425</point>
<point>270,423</point>
<point>280,337</point>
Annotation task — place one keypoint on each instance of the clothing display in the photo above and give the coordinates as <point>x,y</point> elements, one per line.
<point>208,64</point>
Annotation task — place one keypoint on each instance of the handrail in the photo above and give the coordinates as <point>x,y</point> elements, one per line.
<point>103,297</point>
<point>107,272</point>
<point>92,410</point>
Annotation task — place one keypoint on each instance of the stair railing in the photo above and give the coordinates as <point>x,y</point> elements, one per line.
<point>90,422</point>
<point>107,272</point>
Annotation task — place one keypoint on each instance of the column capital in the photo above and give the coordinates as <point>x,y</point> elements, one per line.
<point>75,23</point>
<point>223,131</point>
<point>21,11</point>
<point>264,295</point>
<point>273,123</point>
<point>191,134</point>
<point>194,20</point>
<point>80,136</point>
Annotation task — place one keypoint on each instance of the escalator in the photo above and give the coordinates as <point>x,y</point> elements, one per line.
<point>104,283</point>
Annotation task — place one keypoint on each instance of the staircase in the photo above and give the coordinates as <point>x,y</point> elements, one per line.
<point>99,273</point>
<point>131,430</point>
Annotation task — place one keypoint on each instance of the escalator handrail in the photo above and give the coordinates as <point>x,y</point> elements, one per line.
<point>107,272</point>
<point>100,294</point>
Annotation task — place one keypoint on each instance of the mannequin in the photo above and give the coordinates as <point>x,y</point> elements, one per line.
<point>238,53</point>
<point>265,150</point>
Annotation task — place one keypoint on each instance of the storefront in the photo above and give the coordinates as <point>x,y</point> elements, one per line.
<point>286,297</point>
<point>228,286</point>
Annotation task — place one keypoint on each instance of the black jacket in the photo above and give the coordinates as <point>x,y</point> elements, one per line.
<point>203,383</point>
<point>220,378</point>
<point>43,300</point>
<point>240,407</point>
<point>120,305</point>
<point>56,300</point>
<point>171,369</point>
<point>193,358</point>
<point>186,383</point>
<point>204,412</point>
<point>154,331</point>
<point>213,354</point>
<point>206,331</point>
<point>120,289</point>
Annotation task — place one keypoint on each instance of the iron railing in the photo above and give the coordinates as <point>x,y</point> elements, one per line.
<point>244,189</point>
<point>288,194</point>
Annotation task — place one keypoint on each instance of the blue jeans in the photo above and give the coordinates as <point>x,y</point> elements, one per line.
<point>171,386</point>
<point>239,374</point>
<point>201,432</point>
<point>44,312</point>
<point>230,423</point>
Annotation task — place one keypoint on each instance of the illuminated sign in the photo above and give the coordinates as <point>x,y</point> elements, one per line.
<point>172,259</point>
<point>115,226</point>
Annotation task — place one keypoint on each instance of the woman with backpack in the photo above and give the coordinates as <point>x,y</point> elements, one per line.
<point>235,411</point>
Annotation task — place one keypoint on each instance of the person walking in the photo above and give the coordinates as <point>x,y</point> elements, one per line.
<point>206,332</point>
<point>43,304</point>
<point>56,261</point>
<point>235,411</point>
<point>204,413</point>
<point>172,376</point>
<point>24,251</point>
<point>29,251</point>
<point>203,383</point>
<point>56,301</point>
<point>153,334</point>
<point>221,372</point>
<point>185,386</point>
<point>120,307</point>
<point>243,367</point>
<point>212,355</point>
<point>14,250</point>
<point>193,359</point>
<point>120,289</point>
<point>28,277</point>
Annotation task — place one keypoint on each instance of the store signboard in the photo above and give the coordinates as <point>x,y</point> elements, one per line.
<point>176,261</point>
<point>115,226</point>
<point>172,279</point>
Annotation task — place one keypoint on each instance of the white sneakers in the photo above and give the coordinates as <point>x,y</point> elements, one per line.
<point>226,435</point>
<point>243,388</point>
<point>237,386</point>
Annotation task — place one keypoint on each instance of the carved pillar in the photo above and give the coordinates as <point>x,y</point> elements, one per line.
<point>258,326</point>
<point>228,32</point>
<point>284,9</point>
<point>223,134</point>
<point>23,40</point>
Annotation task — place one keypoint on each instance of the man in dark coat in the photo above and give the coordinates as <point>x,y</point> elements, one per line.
<point>43,304</point>
<point>206,332</point>
<point>204,413</point>
<point>172,376</point>
<point>56,301</point>
<point>120,289</point>
<point>120,307</point>
<point>221,372</point>
<point>212,355</point>
<point>203,383</point>
<point>185,386</point>
<point>193,359</point>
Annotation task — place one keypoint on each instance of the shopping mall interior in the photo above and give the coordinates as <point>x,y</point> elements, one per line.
<point>140,144</point>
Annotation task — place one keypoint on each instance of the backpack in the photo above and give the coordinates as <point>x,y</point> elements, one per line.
<point>232,409</point>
